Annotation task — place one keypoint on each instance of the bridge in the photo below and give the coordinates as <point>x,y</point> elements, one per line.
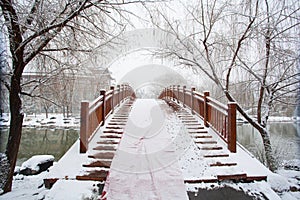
<point>159,146</point>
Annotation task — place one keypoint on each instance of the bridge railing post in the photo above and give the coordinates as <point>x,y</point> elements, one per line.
<point>118,94</point>
<point>192,99</point>
<point>112,88</point>
<point>84,126</point>
<point>231,132</point>
<point>206,111</point>
<point>122,93</point>
<point>178,87</point>
<point>172,93</point>
<point>102,92</point>
<point>184,90</point>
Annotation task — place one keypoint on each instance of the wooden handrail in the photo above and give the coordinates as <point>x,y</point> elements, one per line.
<point>221,118</point>
<point>93,114</point>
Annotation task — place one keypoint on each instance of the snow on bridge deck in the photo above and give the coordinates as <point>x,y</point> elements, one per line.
<point>146,149</point>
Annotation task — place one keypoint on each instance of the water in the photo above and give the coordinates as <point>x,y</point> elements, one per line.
<point>285,140</point>
<point>37,141</point>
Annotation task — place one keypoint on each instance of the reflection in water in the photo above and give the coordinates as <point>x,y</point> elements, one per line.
<point>285,139</point>
<point>41,141</point>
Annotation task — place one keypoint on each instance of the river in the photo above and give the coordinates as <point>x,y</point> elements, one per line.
<point>285,140</point>
<point>37,141</point>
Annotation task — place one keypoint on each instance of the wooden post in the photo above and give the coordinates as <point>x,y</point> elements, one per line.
<point>206,109</point>
<point>168,93</point>
<point>125,92</point>
<point>184,90</point>
<point>118,95</point>
<point>112,88</point>
<point>102,93</point>
<point>173,92</point>
<point>192,100</point>
<point>84,126</point>
<point>178,87</point>
<point>122,93</point>
<point>231,127</point>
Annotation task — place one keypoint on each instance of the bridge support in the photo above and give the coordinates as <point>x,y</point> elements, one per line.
<point>206,110</point>
<point>84,121</point>
<point>184,91</point>
<point>102,117</point>
<point>112,88</point>
<point>232,127</point>
<point>192,99</point>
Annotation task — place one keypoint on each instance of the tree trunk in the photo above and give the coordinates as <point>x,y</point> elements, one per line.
<point>271,162</point>
<point>46,110</point>
<point>15,130</point>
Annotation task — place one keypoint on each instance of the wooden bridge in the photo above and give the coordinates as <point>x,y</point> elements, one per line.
<point>112,145</point>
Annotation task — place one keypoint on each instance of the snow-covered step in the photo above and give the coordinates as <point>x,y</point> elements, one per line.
<point>112,136</point>
<point>113,131</point>
<point>95,175</point>
<point>210,148</point>
<point>222,164</point>
<point>114,127</point>
<point>190,121</point>
<point>116,123</point>
<point>197,141</point>
<point>216,155</point>
<point>199,135</point>
<point>108,141</point>
<point>99,163</point>
<point>103,155</point>
<point>198,131</point>
<point>105,147</point>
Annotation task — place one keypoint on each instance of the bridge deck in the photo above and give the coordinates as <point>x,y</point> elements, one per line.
<point>146,145</point>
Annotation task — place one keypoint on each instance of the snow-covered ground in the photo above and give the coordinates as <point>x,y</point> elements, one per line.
<point>40,120</point>
<point>32,188</point>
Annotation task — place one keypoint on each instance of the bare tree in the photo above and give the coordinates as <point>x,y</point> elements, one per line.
<point>224,41</point>
<point>44,27</point>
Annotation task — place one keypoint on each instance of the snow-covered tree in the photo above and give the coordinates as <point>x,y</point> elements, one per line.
<point>246,45</point>
<point>58,30</point>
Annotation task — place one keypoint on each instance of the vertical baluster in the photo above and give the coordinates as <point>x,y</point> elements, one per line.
<point>178,93</point>
<point>112,88</point>
<point>192,99</point>
<point>183,89</point>
<point>102,93</point>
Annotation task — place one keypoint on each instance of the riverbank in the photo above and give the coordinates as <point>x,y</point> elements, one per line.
<point>41,121</point>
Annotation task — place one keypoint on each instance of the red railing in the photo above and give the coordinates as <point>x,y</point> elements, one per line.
<point>221,118</point>
<point>93,114</point>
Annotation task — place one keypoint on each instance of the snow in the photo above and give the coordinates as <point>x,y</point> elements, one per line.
<point>40,120</point>
<point>27,187</point>
<point>69,165</point>
<point>76,190</point>
<point>34,162</point>
<point>153,168</point>
<point>281,119</point>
